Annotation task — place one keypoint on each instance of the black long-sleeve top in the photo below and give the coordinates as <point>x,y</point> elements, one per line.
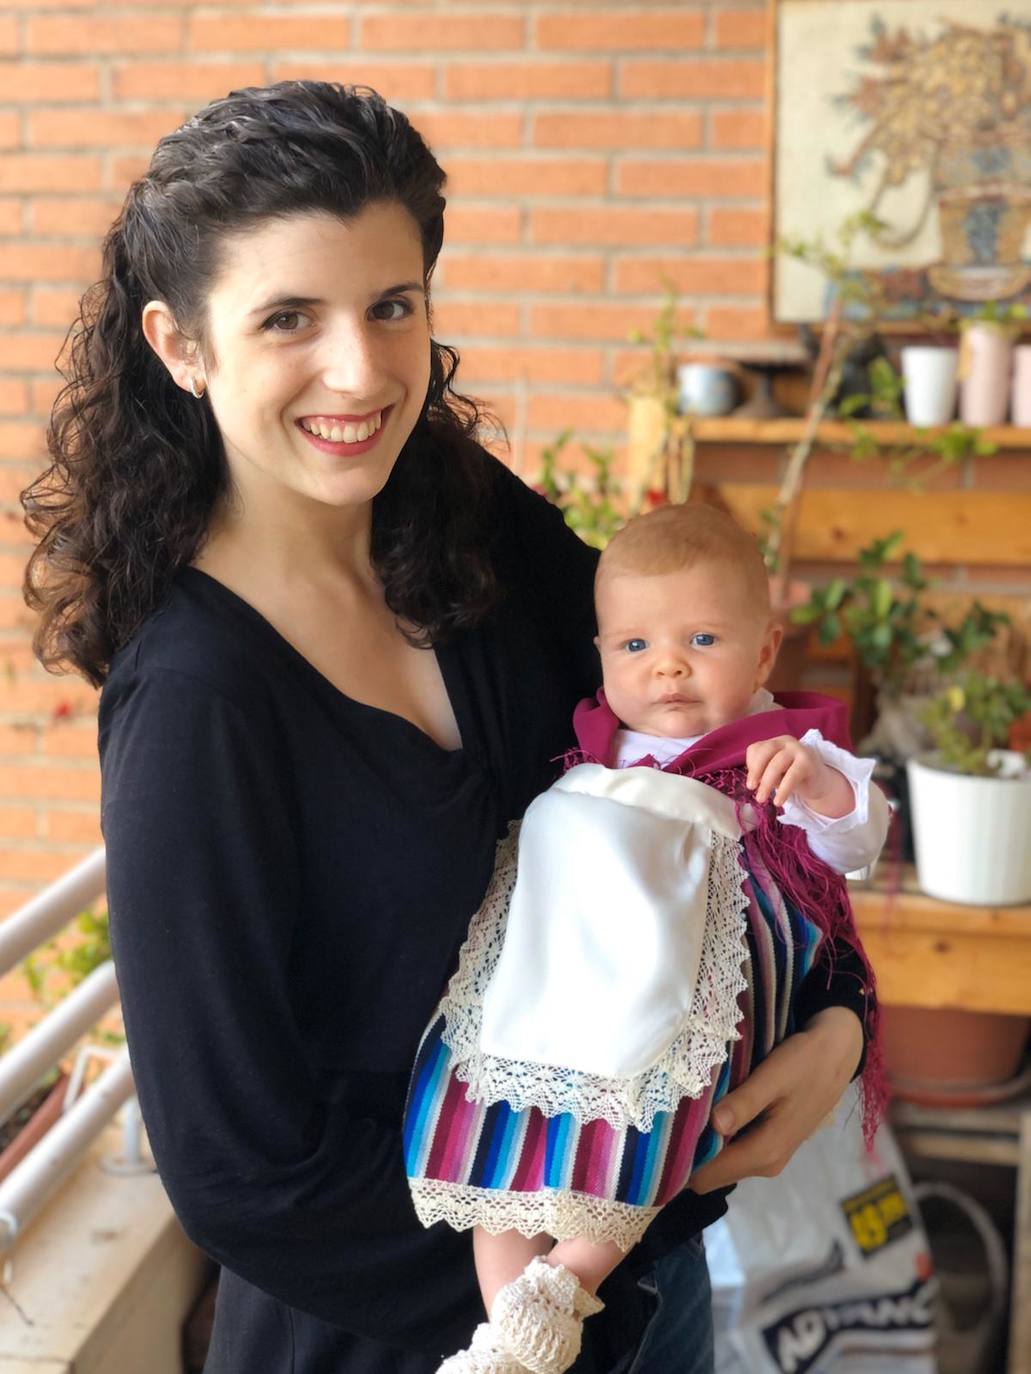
<point>290,876</point>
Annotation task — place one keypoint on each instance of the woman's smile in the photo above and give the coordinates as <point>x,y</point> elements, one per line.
<point>344,435</point>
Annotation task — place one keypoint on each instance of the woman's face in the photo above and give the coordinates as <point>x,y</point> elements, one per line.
<point>317,354</point>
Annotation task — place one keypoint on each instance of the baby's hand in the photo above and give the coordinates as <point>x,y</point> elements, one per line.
<point>783,767</point>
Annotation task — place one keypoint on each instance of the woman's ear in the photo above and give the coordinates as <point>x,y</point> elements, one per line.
<point>176,351</point>
<point>768,653</point>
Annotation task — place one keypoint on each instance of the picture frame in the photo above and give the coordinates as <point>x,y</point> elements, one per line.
<point>912,116</point>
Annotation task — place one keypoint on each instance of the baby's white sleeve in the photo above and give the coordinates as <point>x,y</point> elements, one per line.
<point>845,842</point>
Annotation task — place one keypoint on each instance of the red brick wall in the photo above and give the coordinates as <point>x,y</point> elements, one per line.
<point>592,147</point>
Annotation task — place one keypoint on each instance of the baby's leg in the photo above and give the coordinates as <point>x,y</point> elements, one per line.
<point>502,1258</point>
<point>592,1262</point>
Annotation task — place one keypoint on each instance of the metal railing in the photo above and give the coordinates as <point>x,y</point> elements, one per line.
<point>85,1114</point>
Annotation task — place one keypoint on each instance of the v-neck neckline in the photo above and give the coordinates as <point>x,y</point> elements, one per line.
<point>328,688</point>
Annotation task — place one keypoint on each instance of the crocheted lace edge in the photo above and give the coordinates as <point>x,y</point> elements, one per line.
<point>561,1214</point>
<point>684,1069</point>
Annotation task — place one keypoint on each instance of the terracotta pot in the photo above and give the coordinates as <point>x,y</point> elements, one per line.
<point>948,1048</point>
<point>45,1115</point>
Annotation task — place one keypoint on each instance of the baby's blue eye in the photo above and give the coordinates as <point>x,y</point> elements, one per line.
<point>703,640</point>
<point>634,646</point>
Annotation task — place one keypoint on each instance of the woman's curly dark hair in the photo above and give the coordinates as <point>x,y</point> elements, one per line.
<point>138,464</point>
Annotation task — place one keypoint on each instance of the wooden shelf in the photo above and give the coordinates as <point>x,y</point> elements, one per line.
<point>730,429</point>
<point>931,953</point>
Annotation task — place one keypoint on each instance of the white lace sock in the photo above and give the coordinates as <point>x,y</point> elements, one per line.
<point>539,1316</point>
<point>486,1355</point>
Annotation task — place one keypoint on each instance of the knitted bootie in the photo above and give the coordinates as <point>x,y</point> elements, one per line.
<point>486,1355</point>
<point>539,1316</point>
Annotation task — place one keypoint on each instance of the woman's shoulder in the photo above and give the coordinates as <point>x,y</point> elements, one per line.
<point>195,645</point>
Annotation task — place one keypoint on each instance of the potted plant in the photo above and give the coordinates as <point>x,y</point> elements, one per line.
<point>971,795</point>
<point>986,362</point>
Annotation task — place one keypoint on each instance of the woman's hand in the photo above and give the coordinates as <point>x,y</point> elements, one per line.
<point>786,1099</point>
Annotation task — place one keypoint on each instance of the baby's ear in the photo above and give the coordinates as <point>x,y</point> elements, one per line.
<point>768,652</point>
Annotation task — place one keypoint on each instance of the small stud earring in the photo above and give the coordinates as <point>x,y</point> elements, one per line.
<point>194,391</point>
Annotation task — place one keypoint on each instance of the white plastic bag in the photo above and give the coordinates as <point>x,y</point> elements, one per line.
<point>826,1268</point>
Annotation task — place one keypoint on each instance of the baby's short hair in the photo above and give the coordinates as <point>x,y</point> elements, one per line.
<point>673,537</point>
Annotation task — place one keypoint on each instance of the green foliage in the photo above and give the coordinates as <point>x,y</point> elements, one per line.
<point>970,718</point>
<point>859,292</point>
<point>70,963</point>
<point>659,375</point>
<point>1009,316</point>
<point>595,508</point>
<point>884,618</point>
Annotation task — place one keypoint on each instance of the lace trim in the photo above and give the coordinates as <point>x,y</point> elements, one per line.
<point>684,1070</point>
<point>563,1215</point>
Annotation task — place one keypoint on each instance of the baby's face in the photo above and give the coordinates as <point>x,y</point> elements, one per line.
<point>682,652</point>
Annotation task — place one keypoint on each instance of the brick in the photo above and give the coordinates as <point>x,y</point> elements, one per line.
<point>14,399</point>
<point>45,172</point>
<point>56,305</point>
<point>497,274</point>
<point>737,228</point>
<point>44,394</point>
<point>104,129</point>
<point>10,41</point>
<point>14,615</point>
<point>73,36</point>
<point>267,33</point>
<point>81,217</point>
<point>598,413</point>
<point>22,261</point>
<point>13,305</point>
<point>614,225</point>
<point>127,169</point>
<point>14,478</point>
<point>616,129</point>
<point>453,319</point>
<point>429,31</point>
<point>499,407</point>
<point>54,82</point>
<point>628,30</point>
<point>541,176</point>
<point>570,366</point>
<point>592,321</point>
<point>71,739</point>
<point>25,352</point>
<point>179,81</point>
<point>47,782</point>
<point>394,80</point>
<point>730,179</point>
<point>722,79</point>
<point>744,129</point>
<point>24,865</point>
<point>462,129</point>
<point>12,216</point>
<point>73,827</point>
<point>528,80</point>
<point>691,276</point>
<point>741,28</point>
<point>17,823</point>
<point>18,740</point>
<point>10,129</point>
<point>473,224</point>
<point>40,694</point>
<point>737,322</point>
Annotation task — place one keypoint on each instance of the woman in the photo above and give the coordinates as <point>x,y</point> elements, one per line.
<point>339,645</point>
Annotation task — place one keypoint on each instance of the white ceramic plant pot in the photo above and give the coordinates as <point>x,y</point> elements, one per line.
<point>929,378</point>
<point>972,835</point>
<point>1020,400</point>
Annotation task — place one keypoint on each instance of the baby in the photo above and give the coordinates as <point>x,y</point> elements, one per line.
<point>642,942</point>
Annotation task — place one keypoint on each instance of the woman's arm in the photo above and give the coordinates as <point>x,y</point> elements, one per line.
<point>297,1192</point>
<point>784,1100</point>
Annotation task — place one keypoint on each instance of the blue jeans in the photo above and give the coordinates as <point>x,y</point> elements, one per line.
<point>678,1339</point>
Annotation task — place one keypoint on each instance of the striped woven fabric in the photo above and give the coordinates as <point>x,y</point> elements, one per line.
<point>469,1163</point>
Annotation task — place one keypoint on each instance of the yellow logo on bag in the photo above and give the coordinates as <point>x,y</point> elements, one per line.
<point>878,1215</point>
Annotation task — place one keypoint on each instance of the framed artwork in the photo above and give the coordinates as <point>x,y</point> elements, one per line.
<point>916,115</point>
